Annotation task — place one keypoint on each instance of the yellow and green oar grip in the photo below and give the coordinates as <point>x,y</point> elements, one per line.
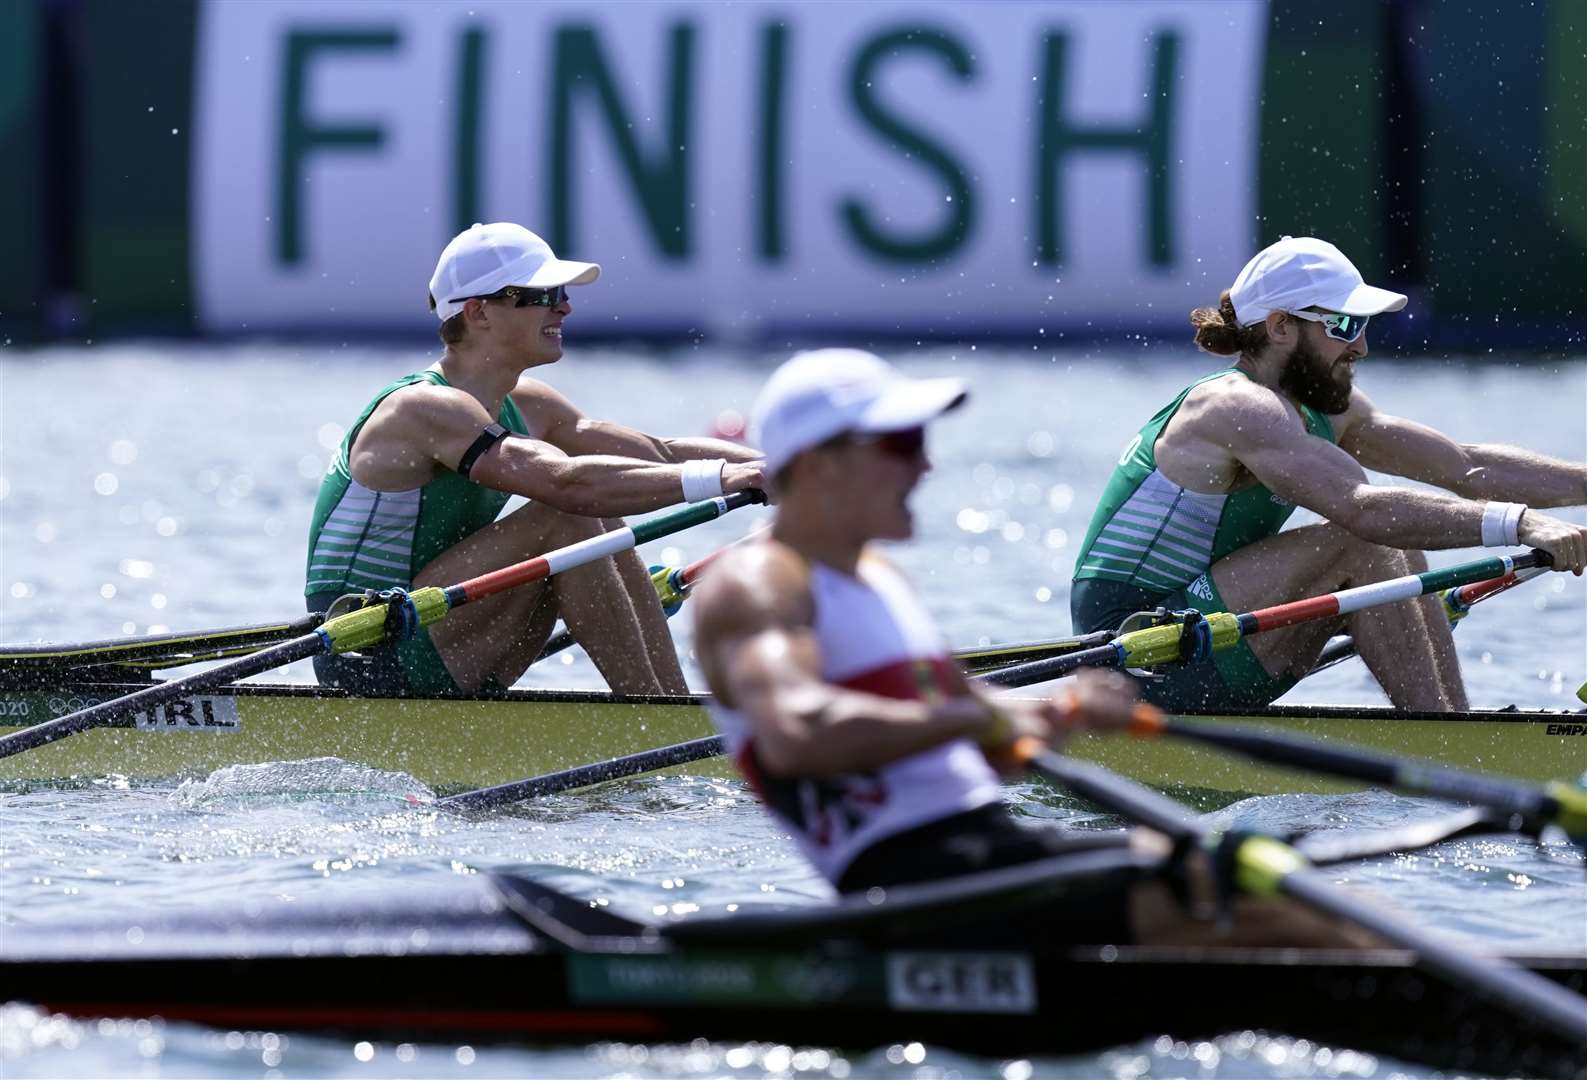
<point>1572,800</point>
<point>1161,644</point>
<point>667,590</point>
<point>1261,864</point>
<point>366,627</point>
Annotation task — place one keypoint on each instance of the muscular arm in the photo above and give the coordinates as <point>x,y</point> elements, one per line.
<point>1257,429</point>
<point>756,642</point>
<point>1392,444</point>
<point>424,428</point>
<point>562,424</point>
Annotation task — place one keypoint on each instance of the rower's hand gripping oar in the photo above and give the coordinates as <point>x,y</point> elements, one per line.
<point>1201,635</point>
<point>372,625</point>
<point>1263,866</point>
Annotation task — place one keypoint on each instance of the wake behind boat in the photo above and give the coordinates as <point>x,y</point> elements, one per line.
<point>501,957</point>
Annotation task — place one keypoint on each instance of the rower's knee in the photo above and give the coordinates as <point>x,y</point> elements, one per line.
<point>1365,561</point>
<point>548,528</point>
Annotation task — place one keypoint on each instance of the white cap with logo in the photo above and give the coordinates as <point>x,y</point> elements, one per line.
<point>485,259</point>
<point>819,394</point>
<point>1301,272</point>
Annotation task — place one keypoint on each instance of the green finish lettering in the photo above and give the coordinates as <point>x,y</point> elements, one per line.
<point>465,154</point>
<point>1057,139</point>
<point>660,181</point>
<point>301,137</point>
<point>946,238</point>
<point>769,244</point>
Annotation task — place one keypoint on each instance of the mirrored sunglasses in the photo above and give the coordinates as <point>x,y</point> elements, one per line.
<point>524,296</point>
<point>1337,325</point>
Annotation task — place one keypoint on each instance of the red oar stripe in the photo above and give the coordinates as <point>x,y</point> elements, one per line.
<point>1318,607</point>
<point>507,577</point>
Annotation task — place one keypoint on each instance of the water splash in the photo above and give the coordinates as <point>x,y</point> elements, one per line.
<point>308,780</point>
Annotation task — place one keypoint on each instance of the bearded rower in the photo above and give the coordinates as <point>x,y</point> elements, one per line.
<point>1191,516</point>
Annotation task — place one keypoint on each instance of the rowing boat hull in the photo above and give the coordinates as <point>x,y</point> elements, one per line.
<point>488,961</point>
<point>455,743</point>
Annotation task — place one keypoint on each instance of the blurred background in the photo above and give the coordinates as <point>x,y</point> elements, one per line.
<point>772,172</point>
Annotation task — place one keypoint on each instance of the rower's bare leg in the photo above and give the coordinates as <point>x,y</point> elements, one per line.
<point>501,635</point>
<point>1406,646</point>
<point>652,619</point>
<point>596,605</point>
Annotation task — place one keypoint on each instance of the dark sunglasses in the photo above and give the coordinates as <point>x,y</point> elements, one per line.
<point>524,296</point>
<point>908,443</point>
<point>1337,325</point>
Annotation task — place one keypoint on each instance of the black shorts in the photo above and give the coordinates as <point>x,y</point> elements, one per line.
<point>1095,911</point>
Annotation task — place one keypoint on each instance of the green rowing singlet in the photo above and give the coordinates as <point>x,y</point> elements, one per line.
<point>362,539</point>
<point>1152,534</point>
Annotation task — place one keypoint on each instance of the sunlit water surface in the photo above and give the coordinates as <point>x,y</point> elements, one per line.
<point>152,486</point>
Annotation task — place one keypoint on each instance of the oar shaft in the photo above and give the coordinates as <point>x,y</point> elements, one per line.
<point>584,775</point>
<point>369,626</point>
<point>1160,644</point>
<point>107,711</point>
<point>1093,782</point>
<point>128,649</point>
<point>1559,803</point>
<point>1492,571</point>
<point>596,547</point>
<point>1534,997</point>
<point>1264,866</point>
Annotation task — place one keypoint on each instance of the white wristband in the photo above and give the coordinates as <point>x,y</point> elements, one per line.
<point>702,479</point>
<point>1501,524</point>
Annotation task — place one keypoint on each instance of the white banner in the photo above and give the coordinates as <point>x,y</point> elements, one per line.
<point>735,168</point>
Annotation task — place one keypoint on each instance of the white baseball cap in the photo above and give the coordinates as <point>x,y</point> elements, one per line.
<point>484,259</point>
<point>826,392</point>
<point>1300,272</point>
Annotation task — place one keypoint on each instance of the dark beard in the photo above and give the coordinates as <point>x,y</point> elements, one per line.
<point>1310,380</point>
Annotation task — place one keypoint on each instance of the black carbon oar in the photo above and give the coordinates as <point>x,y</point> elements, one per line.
<point>584,775</point>
<point>1559,803</point>
<point>183,646</point>
<point>374,624</point>
<point>1267,867</point>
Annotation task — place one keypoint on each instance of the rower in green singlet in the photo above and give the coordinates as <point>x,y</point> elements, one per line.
<point>1152,544</point>
<point>1193,513</point>
<point>362,539</point>
<point>414,494</point>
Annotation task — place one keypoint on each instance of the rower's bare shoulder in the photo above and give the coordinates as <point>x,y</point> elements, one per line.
<point>753,586</point>
<point>543,406</point>
<point>1231,411</point>
<point>426,407</point>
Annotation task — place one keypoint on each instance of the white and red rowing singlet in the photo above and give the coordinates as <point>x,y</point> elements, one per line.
<point>875,636</point>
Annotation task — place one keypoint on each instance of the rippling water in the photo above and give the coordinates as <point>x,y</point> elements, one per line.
<point>150,486</point>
